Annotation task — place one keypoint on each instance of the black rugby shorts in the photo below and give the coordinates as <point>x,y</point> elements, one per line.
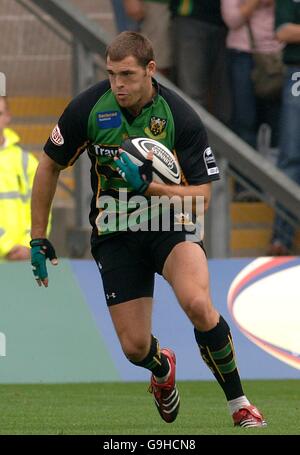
<point>128,262</point>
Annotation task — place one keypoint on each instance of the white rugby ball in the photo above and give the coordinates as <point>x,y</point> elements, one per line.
<point>166,168</point>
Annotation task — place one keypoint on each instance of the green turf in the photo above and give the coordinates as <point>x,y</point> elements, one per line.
<point>127,409</point>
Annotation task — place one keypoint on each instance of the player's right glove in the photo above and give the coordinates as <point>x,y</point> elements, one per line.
<point>138,177</point>
<point>41,249</point>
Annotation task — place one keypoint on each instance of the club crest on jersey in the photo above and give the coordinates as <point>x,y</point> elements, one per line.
<point>156,128</point>
<point>56,136</point>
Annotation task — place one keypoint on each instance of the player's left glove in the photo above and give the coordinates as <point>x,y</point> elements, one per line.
<point>138,177</point>
<point>41,249</point>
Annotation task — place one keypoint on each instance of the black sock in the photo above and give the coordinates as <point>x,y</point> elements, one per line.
<point>155,361</point>
<point>217,351</point>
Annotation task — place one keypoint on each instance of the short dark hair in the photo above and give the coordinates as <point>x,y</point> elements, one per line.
<point>131,44</point>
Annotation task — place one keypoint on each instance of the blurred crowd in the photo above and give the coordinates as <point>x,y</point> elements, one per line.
<point>240,59</point>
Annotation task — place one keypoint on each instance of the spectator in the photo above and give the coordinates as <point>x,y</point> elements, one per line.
<point>123,21</point>
<point>17,169</point>
<point>288,32</point>
<point>249,111</point>
<point>153,18</point>
<point>199,54</point>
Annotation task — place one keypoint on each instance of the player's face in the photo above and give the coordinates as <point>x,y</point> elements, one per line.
<point>4,115</point>
<point>130,82</point>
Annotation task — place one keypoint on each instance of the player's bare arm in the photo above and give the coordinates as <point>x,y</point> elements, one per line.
<point>158,189</point>
<point>43,191</point>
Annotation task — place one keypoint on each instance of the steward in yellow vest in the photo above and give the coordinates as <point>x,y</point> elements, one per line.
<point>17,170</point>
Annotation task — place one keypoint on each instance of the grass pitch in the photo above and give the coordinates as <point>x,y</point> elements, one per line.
<point>127,409</point>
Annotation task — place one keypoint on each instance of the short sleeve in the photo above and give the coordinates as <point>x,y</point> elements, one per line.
<point>191,145</point>
<point>195,157</point>
<point>69,137</point>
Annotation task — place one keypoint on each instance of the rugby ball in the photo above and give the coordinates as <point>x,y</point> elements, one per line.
<point>166,168</point>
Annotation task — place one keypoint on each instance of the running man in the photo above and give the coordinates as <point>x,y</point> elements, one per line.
<point>132,103</point>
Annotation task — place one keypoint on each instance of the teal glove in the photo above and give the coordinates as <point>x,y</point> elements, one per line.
<point>41,249</point>
<point>138,177</point>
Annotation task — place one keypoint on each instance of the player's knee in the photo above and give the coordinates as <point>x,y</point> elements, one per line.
<point>135,349</point>
<point>199,310</point>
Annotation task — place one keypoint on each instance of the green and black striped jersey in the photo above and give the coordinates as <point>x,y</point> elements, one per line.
<point>94,123</point>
